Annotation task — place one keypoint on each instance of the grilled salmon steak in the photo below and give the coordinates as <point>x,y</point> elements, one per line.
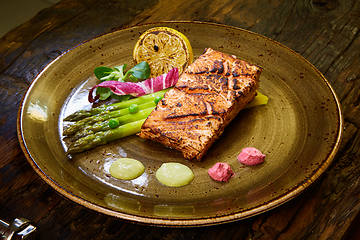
<point>208,95</point>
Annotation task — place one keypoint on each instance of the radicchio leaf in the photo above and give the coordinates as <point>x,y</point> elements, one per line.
<point>138,89</point>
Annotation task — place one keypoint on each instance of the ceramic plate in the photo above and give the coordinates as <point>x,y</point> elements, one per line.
<point>299,131</point>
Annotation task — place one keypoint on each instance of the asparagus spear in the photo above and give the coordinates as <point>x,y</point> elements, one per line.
<point>104,125</point>
<point>83,123</point>
<point>100,138</point>
<point>81,114</point>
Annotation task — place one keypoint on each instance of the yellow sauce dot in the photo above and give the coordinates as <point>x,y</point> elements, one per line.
<point>126,169</point>
<point>174,174</point>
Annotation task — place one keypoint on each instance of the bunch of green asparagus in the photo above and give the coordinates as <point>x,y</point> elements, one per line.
<point>100,125</point>
<point>106,123</point>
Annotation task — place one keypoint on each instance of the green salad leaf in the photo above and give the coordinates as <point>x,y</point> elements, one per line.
<point>101,72</point>
<point>104,93</point>
<point>139,72</point>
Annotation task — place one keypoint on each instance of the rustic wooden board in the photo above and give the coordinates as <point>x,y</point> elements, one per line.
<point>326,32</point>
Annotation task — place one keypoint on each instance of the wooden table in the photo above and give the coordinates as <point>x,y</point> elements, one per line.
<point>326,32</point>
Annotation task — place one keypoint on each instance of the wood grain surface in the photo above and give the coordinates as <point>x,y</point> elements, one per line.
<point>326,32</point>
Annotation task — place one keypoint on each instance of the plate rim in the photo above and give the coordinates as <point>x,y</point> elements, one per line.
<point>186,222</point>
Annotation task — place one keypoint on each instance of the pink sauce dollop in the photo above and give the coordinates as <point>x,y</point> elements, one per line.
<point>221,172</point>
<point>251,156</point>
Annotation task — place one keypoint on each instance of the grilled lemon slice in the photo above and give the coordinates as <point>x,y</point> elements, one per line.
<point>163,48</point>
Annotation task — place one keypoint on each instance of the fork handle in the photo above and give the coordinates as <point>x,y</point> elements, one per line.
<point>20,228</point>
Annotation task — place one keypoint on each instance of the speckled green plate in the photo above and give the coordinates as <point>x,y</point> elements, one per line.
<point>299,131</point>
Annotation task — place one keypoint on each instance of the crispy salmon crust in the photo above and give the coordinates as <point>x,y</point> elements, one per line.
<point>208,95</point>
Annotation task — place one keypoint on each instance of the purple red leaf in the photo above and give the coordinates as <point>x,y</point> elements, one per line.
<point>137,89</point>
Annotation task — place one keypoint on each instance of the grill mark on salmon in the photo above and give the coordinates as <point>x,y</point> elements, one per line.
<point>208,95</point>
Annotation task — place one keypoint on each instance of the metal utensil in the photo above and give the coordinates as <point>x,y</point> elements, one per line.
<point>20,228</point>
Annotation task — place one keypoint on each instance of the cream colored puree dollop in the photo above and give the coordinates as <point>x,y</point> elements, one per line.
<point>126,169</point>
<point>174,174</point>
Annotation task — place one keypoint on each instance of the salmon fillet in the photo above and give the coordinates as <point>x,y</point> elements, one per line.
<point>208,95</point>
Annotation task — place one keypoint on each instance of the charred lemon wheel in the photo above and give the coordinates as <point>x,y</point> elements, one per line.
<point>163,48</point>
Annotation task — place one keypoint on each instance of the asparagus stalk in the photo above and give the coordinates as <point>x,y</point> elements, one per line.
<point>81,114</point>
<point>83,123</point>
<point>104,125</point>
<point>100,138</point>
